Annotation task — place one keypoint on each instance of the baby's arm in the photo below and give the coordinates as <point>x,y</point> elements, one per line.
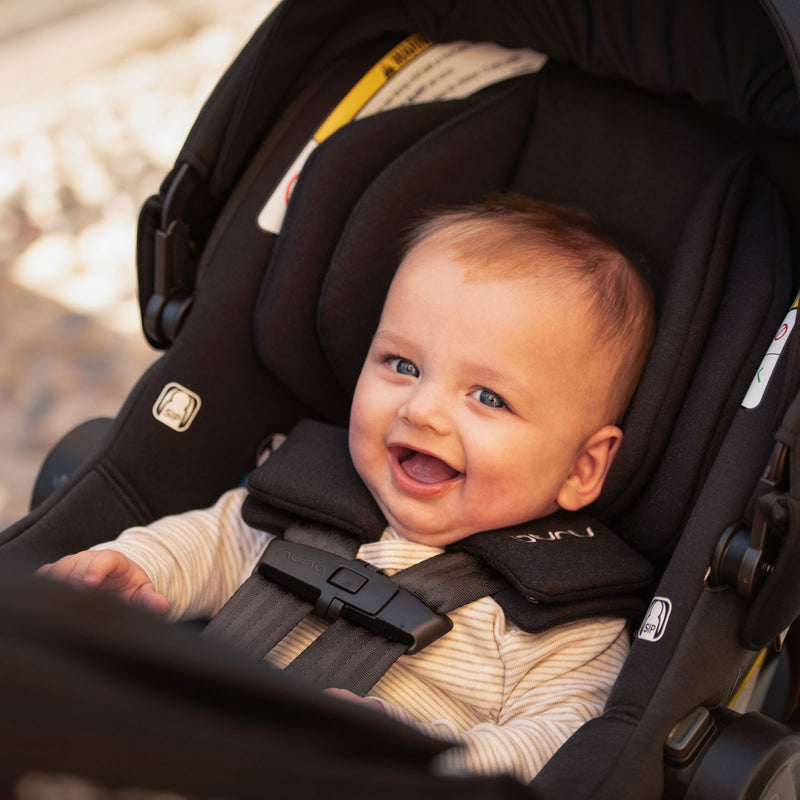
<point>195,560</point>
<point>198,558</point>
<point>108,571</point>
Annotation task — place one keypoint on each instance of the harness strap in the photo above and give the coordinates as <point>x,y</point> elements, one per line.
<point>257,616</point>
<point>347,656</point>
<point>260,613</point>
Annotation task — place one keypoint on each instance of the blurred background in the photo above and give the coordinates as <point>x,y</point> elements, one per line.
<point>96,98</point>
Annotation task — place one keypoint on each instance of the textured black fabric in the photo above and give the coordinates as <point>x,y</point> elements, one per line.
<point>591,754</point>
<point>722,347</point>
<point>78,525</point>
<point>785,15</point>
<point>450,580</point>
<point>346,656</point>
<point>724,55</point>
<point>257,616</point>
<point>538,617</point>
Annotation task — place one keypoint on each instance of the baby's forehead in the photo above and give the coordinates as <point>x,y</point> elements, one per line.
<point>536,268</point>
<point>437,280</point>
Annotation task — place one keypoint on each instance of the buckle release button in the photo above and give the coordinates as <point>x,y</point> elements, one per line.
<point>348,580</point>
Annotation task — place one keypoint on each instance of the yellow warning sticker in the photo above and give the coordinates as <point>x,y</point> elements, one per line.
<point>370,83</point>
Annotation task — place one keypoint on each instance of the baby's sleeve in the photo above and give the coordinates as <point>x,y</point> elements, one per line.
<point>198,558</point>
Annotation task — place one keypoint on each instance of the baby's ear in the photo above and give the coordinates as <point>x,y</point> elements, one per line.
<point>585,480</point>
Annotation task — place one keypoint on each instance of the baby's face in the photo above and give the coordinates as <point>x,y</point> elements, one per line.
<point>472,404</point>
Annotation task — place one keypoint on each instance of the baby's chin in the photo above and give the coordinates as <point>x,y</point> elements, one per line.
<point>434,535</point>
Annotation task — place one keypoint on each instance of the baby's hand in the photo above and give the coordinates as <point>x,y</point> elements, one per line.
<point>345,694</point>
<point>108,571</point>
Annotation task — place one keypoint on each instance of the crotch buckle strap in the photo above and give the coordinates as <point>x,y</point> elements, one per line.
<point>354,590</point>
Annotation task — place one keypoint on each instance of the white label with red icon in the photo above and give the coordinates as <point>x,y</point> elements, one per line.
<point>765,369</point>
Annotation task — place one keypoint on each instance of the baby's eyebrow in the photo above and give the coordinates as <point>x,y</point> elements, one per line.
<point>390,340</point>
<point>492,378</point>
<point>506,383</point>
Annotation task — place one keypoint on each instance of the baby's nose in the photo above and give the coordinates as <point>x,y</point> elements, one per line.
<point>426,407</point>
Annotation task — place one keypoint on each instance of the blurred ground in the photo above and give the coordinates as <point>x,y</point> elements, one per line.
<point>96,97</point>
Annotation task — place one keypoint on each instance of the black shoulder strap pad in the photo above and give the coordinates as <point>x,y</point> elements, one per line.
<point>311,476</point>
<point>566,556</point>
<point>563,567</point>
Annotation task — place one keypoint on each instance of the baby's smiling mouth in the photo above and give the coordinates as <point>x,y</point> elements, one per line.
<point>423,467</point>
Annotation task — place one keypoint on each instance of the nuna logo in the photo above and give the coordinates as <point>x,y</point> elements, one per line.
<point>305,561</point>
<point>553,536</point>
<point>656,619</point>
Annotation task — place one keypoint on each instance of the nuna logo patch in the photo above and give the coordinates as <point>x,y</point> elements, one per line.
<point>554,536</point>
<point>656,619</point>
<point>176,407</point>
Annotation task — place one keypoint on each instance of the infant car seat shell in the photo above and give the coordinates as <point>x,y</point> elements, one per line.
<point>675,123</point>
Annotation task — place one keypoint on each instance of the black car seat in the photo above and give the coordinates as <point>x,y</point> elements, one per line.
<point>676,125</point>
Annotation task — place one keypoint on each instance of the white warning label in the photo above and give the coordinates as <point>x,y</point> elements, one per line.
<point>451,71</point>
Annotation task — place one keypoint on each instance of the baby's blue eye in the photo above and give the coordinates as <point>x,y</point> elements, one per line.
<point>403,366</point>
<point>490,398</point>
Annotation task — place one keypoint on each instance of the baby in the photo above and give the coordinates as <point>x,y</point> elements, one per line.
<point>511,340</point>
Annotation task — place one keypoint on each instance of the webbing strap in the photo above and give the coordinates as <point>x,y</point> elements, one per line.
<point>450,580</point>
<point>347,656</point>
<point>260,613</point>
<point>257,616</point>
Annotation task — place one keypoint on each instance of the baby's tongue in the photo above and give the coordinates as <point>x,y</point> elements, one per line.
<point>427,469</point>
